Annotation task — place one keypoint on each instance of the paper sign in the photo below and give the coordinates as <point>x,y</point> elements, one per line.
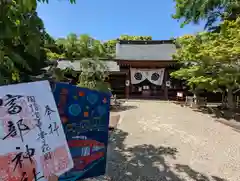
<point>85,118</point>
<point>33,143</point>
<point>179,94</point>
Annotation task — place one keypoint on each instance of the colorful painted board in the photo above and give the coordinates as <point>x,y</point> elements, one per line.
<point>33,143</point>
<point>85,118</point>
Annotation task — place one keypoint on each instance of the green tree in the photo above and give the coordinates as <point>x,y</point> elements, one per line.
<point>88,50</point>
<point>209,10</point>
<point>211,60</point>
<point>84,46</point>
<point>32,4</point>
<point>53,50</point>
<point>71,46</point>
<point>110,45</point>
<point>129,37</point>
<point>20,37</point>
<point>98,50</point>
<point>90,47</point>
<point>22,52</point>
<point>93,74</point>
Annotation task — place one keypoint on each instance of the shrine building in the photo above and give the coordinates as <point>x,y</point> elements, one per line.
<point>140,69</point>
<point>147,65</point>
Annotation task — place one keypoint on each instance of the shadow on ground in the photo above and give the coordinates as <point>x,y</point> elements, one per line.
<point>217,112</point>
<point>180,103</point>
<point>122,108</point>
<point>146,162</point>
<point>224,116</point>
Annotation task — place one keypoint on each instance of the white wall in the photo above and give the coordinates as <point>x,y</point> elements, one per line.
<point>145,52</point>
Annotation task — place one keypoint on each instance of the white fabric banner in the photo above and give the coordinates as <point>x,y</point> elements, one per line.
<point>155,76</point>
<point>137,75</point>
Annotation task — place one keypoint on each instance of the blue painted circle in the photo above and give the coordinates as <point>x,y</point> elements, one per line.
<point>101,110</point>
<point>92,98</point>
<point>74,109</point>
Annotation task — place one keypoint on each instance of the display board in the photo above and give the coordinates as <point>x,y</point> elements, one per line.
<point>33,143</point>
<point>85,117</point>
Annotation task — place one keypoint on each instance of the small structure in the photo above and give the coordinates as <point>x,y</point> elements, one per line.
<point>116,78</point>
<point>147,65</point>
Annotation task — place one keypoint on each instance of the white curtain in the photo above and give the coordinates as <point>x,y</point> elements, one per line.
<point>137,75</point>
<point>155,76</point>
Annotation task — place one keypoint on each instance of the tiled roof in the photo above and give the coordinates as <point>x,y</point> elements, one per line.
<point>112,66</point>
<point>144,42</point>
<point>145,50</point>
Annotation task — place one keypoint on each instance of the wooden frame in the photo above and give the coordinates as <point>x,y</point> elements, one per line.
<point>145,63</point>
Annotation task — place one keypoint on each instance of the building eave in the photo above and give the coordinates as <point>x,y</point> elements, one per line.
<point>145,42</point>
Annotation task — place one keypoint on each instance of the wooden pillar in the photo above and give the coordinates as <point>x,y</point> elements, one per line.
<point>127,81</point>
<point>127,86</point>
<point>165,78</point>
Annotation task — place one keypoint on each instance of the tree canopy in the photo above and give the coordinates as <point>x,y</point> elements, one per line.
<point>21,42</point>
<point>93,74</point>
<point>25,46</point>
<point>32,4</point>
<point>110,45</point>
<point>84,46</point>
<point>76,47</point>
<point>211,60</point>
<point>209,10</point>
<point>22,35</point>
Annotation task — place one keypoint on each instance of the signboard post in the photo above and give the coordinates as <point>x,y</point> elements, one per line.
<point>85,117</point>
<point>33,143</point>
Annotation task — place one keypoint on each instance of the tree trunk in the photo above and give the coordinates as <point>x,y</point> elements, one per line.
<point>230,100</point>
<point>194,104</point>
<point>195,96</point>
<point>223,97</point>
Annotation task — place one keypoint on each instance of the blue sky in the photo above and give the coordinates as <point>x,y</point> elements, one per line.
<point>108,19</point>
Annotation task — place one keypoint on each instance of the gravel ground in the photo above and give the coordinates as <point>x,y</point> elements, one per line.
<point>163,141</point>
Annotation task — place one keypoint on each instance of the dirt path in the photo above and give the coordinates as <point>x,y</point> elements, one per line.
<point>163,141</point>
